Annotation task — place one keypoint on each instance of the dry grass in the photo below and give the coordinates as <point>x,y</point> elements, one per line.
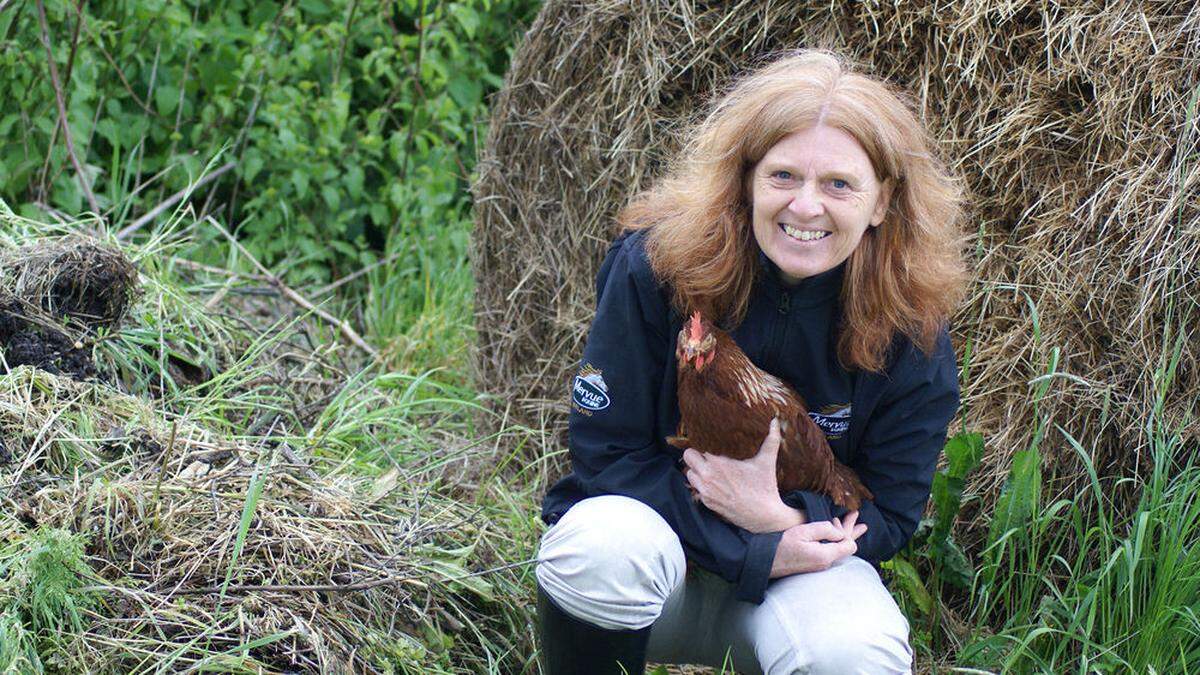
<point>245,498</point>
<point>161,506</point>
<point>1068,123</point>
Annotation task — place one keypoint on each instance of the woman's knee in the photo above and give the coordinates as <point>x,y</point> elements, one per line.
<point>873,647</point>
<point>611,561</point>
<point>844,622</point>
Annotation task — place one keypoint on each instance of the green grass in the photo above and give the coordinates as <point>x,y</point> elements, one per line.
<point>1080,584</point>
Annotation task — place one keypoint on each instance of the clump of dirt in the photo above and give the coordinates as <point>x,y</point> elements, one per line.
<point>54,297</point>
<point>140,443</point>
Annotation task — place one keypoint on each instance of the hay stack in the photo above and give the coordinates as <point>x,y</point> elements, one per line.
<point>1068,123</point>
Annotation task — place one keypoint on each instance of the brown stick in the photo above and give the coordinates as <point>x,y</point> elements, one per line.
<point>191,264</point>
<point>351,277</point>
<point>62,112</point>
<point>173,200</point>
<point>296,297</point>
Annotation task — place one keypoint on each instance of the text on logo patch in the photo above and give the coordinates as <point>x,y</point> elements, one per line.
<point>834,420</point>
<point>589,391</point>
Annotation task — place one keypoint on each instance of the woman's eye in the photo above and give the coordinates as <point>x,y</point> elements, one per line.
<point>784,175</point>
<point>839,184</point>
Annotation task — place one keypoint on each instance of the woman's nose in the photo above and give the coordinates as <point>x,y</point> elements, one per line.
<point>806,203</point>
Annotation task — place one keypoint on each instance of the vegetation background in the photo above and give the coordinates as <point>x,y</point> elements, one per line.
<point>330,136</point>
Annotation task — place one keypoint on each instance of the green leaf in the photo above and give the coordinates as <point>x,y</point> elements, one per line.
<point>166,98</point>
<point>964,452</point>
<point>316,8</point>
<point>467,17</point>
<point>7,123</point>
<point>910,583</point>
<point>465,90</point>
<point>379,214</point>
<point>353,180</point>
<point>331,197</point>
<point>252,163</point>
<point>300,183</point>
<point>1019,499</point>
<point>954,565</point>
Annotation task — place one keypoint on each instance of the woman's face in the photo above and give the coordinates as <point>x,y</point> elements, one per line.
<point>813,195</point>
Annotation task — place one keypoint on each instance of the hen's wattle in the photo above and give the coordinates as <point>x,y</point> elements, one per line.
<point>726,404</point>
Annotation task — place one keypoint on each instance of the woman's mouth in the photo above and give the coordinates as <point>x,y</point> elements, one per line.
<point>803,235</point>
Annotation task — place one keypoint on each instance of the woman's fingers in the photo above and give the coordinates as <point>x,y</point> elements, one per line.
<point>824,530</point>
<point>849,520</point>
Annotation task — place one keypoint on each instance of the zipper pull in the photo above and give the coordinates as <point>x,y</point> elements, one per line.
<point>785,303</point>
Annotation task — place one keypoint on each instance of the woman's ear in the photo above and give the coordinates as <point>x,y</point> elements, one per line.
<point>883,202</point>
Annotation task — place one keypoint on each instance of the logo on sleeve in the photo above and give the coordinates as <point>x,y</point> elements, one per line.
<point>834,420</point>
<point>589,391</point>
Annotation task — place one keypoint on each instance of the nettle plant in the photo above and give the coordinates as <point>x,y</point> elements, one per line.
<point>348,122</point>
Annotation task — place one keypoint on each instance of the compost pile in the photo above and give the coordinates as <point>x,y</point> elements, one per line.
<point>149,524</point>
<point>55,298</point>
<point>1072,126</point>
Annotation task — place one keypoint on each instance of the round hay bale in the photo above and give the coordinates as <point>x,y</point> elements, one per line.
<point>1073,127</point>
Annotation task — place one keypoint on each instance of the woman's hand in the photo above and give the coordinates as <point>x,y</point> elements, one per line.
<point>813,547</point>
<point>743,492</point>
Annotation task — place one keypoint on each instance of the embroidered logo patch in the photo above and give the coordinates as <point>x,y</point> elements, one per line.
<point>589,391</point>
<point>834,420</point>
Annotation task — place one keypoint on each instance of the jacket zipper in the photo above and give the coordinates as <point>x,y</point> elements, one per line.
<point>784,307</point>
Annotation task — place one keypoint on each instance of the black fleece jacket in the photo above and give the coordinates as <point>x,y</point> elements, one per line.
<point>889,426</point>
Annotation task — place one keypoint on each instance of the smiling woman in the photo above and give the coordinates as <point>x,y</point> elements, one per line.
<point>807,216</point>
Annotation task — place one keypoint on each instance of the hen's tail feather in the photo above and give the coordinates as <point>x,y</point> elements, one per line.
<point>847,490</point>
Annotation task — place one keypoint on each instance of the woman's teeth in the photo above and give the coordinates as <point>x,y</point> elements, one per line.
<point>803,235</point>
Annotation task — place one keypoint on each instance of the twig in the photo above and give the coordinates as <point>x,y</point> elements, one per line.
<point>351,277</point>
<point>339,588</point>
<point>55,213</point>
<point>121,75</point>
<point>296,297</point>
<point>421,26</point>
<point>337,65</point>
<point>252,115</point>
<point>62,112</point>
<point>174,199</point>
<point>217,270</point>
<point>162,471</point>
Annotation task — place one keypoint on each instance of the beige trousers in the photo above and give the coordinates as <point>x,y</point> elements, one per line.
<point>613,562</point>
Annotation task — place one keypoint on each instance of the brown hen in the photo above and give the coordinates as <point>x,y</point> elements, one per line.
<point>726,404</point>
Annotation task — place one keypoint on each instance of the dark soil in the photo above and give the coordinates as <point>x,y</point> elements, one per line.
<point>54,296</point>
<point>97,295</point>
<point>25,344</point>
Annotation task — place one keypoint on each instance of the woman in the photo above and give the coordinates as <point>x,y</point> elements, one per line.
<point>809,214</point>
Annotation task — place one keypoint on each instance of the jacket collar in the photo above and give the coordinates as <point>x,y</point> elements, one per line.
<point>808,291</point>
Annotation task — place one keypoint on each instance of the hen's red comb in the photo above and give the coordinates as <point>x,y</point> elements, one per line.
<point>694,329</point>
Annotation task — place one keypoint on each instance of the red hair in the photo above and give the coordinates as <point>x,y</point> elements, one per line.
<point>905,277</point>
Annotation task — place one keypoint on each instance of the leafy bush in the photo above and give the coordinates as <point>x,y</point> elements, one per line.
<point>350,122</point>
